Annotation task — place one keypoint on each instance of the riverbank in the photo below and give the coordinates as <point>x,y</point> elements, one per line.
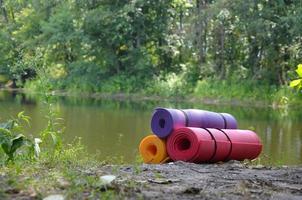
<point>179,180</point>
<point>208,90</point>
<point>210,99</point>
<point>72,173</point>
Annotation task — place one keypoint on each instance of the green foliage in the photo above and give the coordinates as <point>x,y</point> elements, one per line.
<point>171,85</point>
<point>228,90</point>
<point>12,139</point>
<point>298,82</point>
<point>133,46</point>
<point>53,131</point>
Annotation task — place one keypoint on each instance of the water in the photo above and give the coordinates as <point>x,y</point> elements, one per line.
<point>114,128</point>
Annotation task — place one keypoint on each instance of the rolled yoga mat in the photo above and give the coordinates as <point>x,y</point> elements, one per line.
<point>153,150</point>
<point>245,144</point>
<point>191,145</point>
<point>200,145</point>
<point>165,120</point>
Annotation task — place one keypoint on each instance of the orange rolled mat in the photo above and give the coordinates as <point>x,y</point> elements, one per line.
<point>153,150</point>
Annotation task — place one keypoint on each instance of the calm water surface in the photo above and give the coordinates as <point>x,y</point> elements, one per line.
<point>114,128</point>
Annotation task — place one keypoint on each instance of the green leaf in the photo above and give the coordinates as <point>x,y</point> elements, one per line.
<point>54,138</point>
<point>20,114</point>
<point>5,135</point>
<point>8,125</point>
<point>6,146</point>
<point>299,70</point>
<point>5,132</point>
<point>17,142</point>
<point>24,117</point>
<point>295,83</point>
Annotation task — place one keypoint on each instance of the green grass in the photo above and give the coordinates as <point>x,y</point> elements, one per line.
<point>60,167</point>
<point>72,173</point>
<point>233,90</point>
<point>177,86</point>
<point>246,91</point>
<point>67,170</point>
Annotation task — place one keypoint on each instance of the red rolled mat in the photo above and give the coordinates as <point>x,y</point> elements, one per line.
<point>222,143</point>
<point>191,144</point>
<point>245,144</point>
<point>212,145</point>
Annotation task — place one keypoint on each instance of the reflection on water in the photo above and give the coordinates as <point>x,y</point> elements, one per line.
<point>115,128</point>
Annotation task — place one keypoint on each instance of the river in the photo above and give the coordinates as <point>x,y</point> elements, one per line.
<point>113,128</point>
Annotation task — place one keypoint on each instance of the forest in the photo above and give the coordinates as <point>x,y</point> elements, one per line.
<point>158,47</point>
<point>80,79</point>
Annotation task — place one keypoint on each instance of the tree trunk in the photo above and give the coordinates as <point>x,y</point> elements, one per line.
<point>200,30</point>
<point>4,12</point>
<point>12,14</point>
<point>181,28</point>
<point>254,59</point>
<point>222,55</point>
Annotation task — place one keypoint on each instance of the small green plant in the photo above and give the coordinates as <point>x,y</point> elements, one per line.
<point>54,129</point>
<point>12,139</point>
<point>297,83</point>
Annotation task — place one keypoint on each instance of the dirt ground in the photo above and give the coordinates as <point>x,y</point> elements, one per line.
<point>207,181</point>
<point>179,180</point>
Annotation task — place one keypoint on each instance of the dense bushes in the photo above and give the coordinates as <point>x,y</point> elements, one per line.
<point>153,47</point>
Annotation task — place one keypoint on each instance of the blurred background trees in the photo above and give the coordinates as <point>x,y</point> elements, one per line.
<point>132,45</point>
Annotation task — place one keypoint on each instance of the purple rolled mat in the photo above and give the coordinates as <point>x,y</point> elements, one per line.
<point>165,120</point>
<point>231,122</point>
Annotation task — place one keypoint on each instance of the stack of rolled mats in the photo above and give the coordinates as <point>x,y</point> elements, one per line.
<point>197,136</point>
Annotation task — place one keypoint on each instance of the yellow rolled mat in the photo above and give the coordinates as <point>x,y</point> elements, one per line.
<point>153,150</point>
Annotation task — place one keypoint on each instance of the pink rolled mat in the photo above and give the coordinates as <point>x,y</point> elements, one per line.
<point>200,145</point>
